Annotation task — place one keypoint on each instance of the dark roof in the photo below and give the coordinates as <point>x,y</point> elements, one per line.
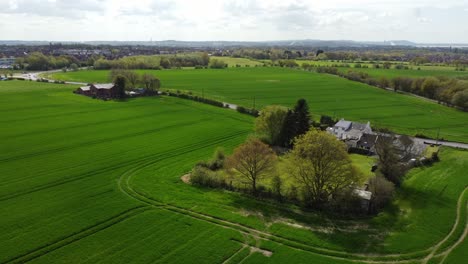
<point>367,140</point>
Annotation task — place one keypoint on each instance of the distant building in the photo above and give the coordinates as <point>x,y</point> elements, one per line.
<point>104,91</point>
<point>7,63</point>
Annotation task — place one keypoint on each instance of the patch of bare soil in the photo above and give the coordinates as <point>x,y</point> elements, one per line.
<point>186,178</point>
<point>264,252</point>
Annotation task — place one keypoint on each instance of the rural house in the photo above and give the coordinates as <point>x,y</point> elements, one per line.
<point>107,90</point>
<point>345,130</point>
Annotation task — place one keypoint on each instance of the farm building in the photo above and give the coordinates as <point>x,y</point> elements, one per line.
<point>344,130</point>
<point>85,90</point>
<point>107,90</point>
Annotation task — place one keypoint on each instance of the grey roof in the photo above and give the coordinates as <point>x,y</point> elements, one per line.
<point>344,124</point>
<point>366,195</point>
<point>104,86</point>
<point>358,126</point>
<point>85,88</point>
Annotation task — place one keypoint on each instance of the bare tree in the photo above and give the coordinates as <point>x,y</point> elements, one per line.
<point>407,147</point>
<point>151,83</point>
<point>389,161</point>
<point>252,161</point>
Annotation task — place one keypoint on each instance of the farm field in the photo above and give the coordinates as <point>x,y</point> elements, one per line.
<point>425,70</point>
<point>86,180</point>
<point>326,94</point>
<point>232,62</point>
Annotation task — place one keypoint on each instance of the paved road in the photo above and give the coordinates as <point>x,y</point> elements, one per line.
<point>443,143</point>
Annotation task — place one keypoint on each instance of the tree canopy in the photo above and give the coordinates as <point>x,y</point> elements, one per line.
<point>252,161</point>
<point>322,167</point>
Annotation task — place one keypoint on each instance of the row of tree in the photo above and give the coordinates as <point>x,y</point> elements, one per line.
<point>154,62</point>
<point>132,80</point>
<point>37,61</point>
<point>450,91</point>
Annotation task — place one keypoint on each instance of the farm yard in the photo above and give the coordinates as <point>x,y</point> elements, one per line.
<point>326,94</point>
<point>86,180</point>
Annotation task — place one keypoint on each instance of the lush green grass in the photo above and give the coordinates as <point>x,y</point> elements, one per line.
<point>364,164</point>
<point>426,203</point>
<point>89,180</point>
<point>458,255</point>
<point>326,94</point>
<point>424,70</point>
<point>232,62</point>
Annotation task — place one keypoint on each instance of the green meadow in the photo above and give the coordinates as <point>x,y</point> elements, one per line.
<point>85,180</point>
<point>326,94</point>
<point>412,71</point>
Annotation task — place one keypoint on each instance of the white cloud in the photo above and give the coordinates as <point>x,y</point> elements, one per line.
<point>234,20</point>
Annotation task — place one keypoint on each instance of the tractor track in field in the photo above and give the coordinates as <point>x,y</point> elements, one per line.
<point>419,256</point>
<point>86,232</point>
<point>100,141</point>
<point>446,252</point>
<point>151,158</point>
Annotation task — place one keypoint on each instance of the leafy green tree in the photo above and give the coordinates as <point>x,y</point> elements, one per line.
<point>120,84</point>
<point>389,161</point>
<point>322,167</point>
<point>205,59</point>
<point>270,123</point>
<point>277,187</point>
<point>430,86</point>
<point>288,130</point>
<point>382,192</point>
<point>133,79</point>
<point>217,64</point>
<point>460,99</point>
<point>151,82</point>
<point>165,63</point>
<point>301,112</point>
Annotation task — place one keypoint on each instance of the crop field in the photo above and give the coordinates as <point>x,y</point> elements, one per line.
<point>243,62</point>
<point>424,70</point>
<point>86,180</point>
<point>326,94</point>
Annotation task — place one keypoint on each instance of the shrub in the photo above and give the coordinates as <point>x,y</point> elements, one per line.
<point>205,177</point>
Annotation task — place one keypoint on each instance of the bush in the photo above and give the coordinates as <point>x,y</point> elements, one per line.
<point>382,193</point>
<point>205,177</point>
<point>216,163</point>
<point>247,111</point>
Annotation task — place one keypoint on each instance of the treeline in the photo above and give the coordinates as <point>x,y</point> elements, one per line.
<point>449,91</point>
<point>37,61</point>
<point>154,62</point>
<point>132,80</point>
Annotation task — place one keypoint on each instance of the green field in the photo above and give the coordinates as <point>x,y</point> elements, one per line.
<point>424,70</point>
<point>86,180</point>
<point>326,94</point>
<point>243,62</point>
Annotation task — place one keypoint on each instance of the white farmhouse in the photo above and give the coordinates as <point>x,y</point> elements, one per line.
<point>348,130</point>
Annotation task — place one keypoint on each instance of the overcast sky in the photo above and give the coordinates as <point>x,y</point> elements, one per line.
<point>249,20</point>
